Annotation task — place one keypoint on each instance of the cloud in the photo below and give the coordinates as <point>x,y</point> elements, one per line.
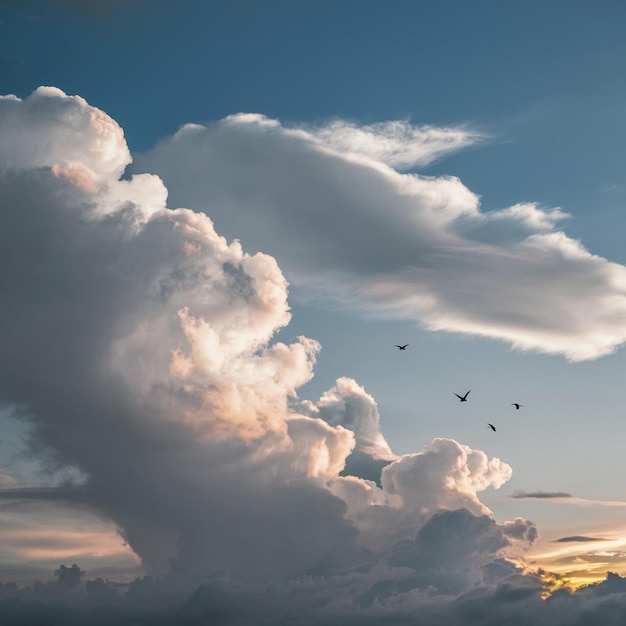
<point>566,498</point>
<point>140,347</point>
<point>397,143</point>
<point>580,559</point>
<point>165,331</point>
<point>452,553</point>
<point>347,404</point>
<point>506,598</point>
<point>50,128</point>
<point>460,473</point>
<point>531,216</point>
<point>60,493</point>
<point>346,226</point>
<point>577,538</point>
<point>519,494</point>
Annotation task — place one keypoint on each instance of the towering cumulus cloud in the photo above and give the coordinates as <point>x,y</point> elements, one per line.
<point>139,345</point>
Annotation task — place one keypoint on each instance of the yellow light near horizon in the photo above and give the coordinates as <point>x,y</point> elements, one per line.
<point>573,565</point>
<point>44,537</point>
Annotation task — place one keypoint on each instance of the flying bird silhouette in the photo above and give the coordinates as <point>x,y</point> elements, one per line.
<point>402,347</point>
<point>462,398</point>
<point>516,405</point>
<point>492,427</point>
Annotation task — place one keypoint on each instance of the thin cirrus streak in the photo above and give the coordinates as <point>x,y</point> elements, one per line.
<point>564,498</point>
<point>577,539</point>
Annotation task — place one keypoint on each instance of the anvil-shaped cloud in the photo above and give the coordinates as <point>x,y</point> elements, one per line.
<point>328,204</point>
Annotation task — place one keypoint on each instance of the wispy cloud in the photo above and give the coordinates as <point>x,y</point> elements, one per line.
<point>540,494</point>
<point>563,497</point>
<point>60,493</point>
<point>399,144</point>
<point>577,538</point>
<point>581,559</point>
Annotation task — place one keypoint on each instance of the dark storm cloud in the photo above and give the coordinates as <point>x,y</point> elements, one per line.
<point>510,599</point>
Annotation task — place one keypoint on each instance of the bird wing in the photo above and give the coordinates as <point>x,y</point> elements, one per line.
<point>458,396</point>
<point>467,394</point>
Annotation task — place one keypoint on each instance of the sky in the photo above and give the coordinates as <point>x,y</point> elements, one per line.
<point>218,221</point>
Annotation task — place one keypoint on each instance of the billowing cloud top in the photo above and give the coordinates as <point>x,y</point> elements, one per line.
<point>50,128</point>
<point>327,203</point>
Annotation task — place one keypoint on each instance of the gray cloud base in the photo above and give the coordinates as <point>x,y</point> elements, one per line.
<point>509,598</point>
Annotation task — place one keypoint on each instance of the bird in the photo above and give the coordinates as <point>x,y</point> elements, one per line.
<point>492,427</point>
<point>517,405</point>
<point>462,398</point>
<point>402,347</point>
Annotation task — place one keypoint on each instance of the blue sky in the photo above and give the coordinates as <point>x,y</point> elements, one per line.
<point>545,79</point>
<point>535,90</point>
